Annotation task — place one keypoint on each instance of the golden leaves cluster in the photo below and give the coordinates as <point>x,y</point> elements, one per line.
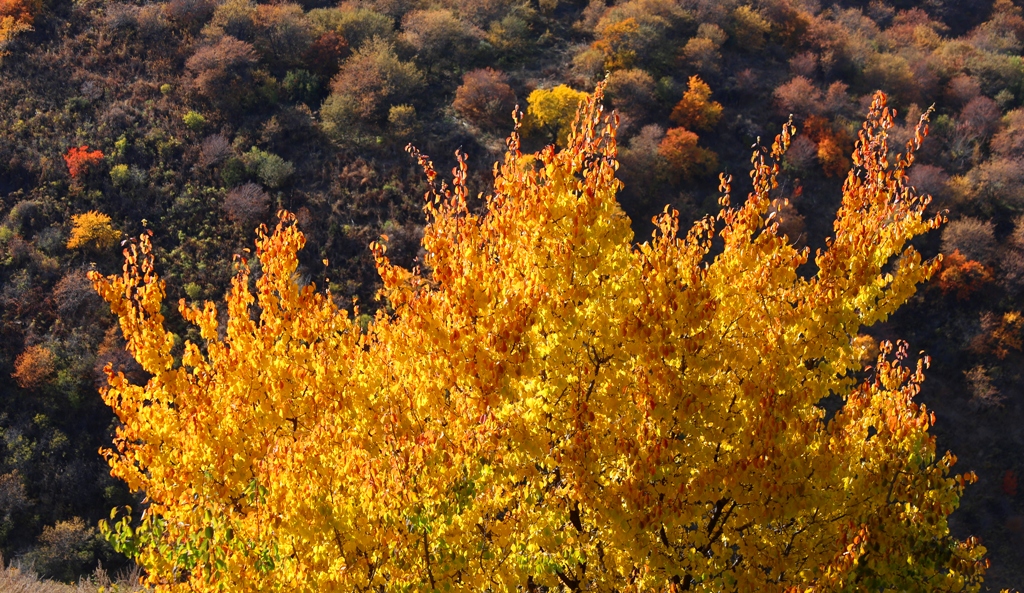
<point>549,405</point>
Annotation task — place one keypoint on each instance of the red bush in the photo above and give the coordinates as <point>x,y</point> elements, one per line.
<point>963,277</point>
<point>80,158</point>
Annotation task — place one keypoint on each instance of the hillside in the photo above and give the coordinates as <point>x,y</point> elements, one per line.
<point>199,120</point>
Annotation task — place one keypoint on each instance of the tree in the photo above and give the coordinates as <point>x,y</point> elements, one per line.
<point>33,367</point>
<point>224,71</point>
<point>92,229</point>
<point>552,111</point>
<point>79,159</point>
<point>798,97</point>
<point>685,159</point>
<point>16,16</point>
<point>632,93</point>
<point>696,110</point>
<point>551,406</point>
<point>439,37</point>
<point>485,98</point>
<point>368,84</point>
<point>246,204</point>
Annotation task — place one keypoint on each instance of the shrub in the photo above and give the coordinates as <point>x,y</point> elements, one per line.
<point>1000,334</point>
<point>984,394</point>
<point>802,153</point>
<point>632,92</point>
<point>370,82</point>
<point>65,550</point>
<point>961,89</point>
<point>973,238</point>
<point>1009,142</point>
<point>270,168</point>
<point>246,205</point>
<point>685,159</point>
<point>215,149</point>
<point>402,121</point>
<point>33,367</point>
<point>75,297</point>
<point>119,175</point>
<point>357,26</point>
<point>702,54</point>
<point>979,118</point>
<point>80,159</point>
<point>301,86</point>
<point>962,277</point>
<point>929,180</point>
<point>189,15</point>
<point>749,29</point>
<point>798,97</point>
<point>439,37</point>
<point>696,110</point>
<point>283,34</point>
<point>223,72</point>
<point>234,18</point>
<point>92,230</point>
<point>325,54</point>
<point>485,99</point>
<point>194,120</point>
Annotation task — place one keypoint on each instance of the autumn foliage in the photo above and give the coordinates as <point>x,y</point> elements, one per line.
<point>33,367</point>
<point>552,406</point>
<point>696,110</point>
<point>963,277</point>
<point>93,230</point>
<point>79,159</point>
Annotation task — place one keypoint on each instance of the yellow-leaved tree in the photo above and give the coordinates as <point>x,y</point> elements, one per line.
<point>549,405</point>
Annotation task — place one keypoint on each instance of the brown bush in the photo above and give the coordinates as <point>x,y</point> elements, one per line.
<point>485,98</point>
<point>961,89</point>
<point>802,153</point>
<point>66,548</point>
<point>113,351</point>
<point>283,33</point>
<point>980,117</point>
<point>246,205</point>
<point>370,82</point>
<point>323,57</point>
<point>804,64</point>
<point>215,149</point>
<point>1009,142</point>
<point>703,55</point>
<point>631,92</point>
<point>798,97</point>
<point>928,179</point>
<point>791,223</point>
<point>974,238</point>
<point>984,394</point>
<point>222,72</point>
<point>439,37</point>
<point>33,367</point>
<point>189,15</point>
<point>75,296</point>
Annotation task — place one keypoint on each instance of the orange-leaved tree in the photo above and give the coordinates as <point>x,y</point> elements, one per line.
<point>79,159</point>
<point>550,406</point>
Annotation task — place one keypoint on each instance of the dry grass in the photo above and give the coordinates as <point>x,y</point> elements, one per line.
<point>14,579</point>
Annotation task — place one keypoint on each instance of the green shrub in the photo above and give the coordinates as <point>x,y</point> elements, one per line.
<point>194,120</point>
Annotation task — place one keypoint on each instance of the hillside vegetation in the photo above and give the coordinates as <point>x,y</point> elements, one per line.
<point>198,120</point>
